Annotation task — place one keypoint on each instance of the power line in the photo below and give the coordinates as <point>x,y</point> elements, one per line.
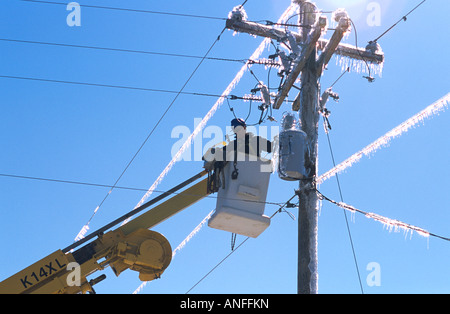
<point>69,182</point>
<point>339,78</point>
<point>244,3</point>
<point>217,265</point>
<point>431,110</point>
<point>134,10</point>
<point>345,213</point>
<point>404,18</point>
<point>369,78</point>
<point>232,97</point>
<point>127,50</point>
<point>387,221</point>
<point>116,187</point>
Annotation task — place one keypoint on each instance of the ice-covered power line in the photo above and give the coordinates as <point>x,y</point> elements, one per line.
<point>390,224</point>
<point>429,111</point>
<point>192,234</point>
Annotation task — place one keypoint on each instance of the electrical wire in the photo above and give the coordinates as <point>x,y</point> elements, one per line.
<point>370,78</point>
<point>391,223</point>
<point>134,10</point>
<point>383,141</point>
<point>404,18</point>
<point>167,54</point>
<point>217,265</point>
<point>91,184</point>
<point>339,78</point>
<point>180,92</point>
<point>244,3</point>
<point>344,212</point>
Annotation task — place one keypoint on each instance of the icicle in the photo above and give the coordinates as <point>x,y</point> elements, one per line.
<point>85,228</point>
<point>82,232</point>
<point>275,153</point>
<point>252,97</point>
<point>431,110</point>
<point>359,66</point>
<point>396,225</point>
<point>388,223</point>
<point>140,288</point>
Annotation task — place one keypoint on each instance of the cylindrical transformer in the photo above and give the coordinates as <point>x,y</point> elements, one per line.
<point>293,149</point>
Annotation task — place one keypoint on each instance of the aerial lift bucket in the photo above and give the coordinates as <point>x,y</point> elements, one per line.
<point>241,201</point>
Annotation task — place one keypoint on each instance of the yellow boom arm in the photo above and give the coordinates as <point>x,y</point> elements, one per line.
<point>131,246</point>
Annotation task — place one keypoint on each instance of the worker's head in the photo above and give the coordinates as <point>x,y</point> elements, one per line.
<point>239,126</point>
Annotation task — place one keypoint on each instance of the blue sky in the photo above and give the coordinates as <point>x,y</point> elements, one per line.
<point>89,134</point>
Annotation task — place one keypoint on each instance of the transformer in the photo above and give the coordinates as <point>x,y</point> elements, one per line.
<point>293,149</point>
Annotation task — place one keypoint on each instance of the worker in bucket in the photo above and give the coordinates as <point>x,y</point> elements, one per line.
<point>245,146</point>
<point>245,142</point>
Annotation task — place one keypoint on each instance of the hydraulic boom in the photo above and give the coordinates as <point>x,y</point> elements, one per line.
<point>131,246</point>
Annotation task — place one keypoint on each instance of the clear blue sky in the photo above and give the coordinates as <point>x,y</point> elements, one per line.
<point>89,134</point>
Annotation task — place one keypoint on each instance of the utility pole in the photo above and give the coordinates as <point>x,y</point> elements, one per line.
<point>308,99</point>
<point>305,62</point>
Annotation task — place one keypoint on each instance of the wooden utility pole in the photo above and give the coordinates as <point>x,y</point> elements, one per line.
<point>308,100</point>
<point>306,63</point>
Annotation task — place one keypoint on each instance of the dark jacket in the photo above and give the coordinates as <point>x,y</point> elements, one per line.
<point>252,145</point>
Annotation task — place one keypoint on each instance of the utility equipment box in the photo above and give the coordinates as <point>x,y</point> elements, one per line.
<point>293,149</point>
<point>241,203</point>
